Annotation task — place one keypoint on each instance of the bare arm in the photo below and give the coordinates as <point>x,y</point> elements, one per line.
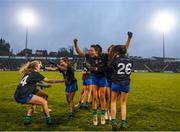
<point>61,67</point>
<point>130,34</point>
<point>78,50</point>
<point>51,68</point>
<point>53,80</point>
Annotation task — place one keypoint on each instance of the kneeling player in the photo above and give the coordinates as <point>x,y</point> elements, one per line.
<point>26,92</point>
<point>122,67</point>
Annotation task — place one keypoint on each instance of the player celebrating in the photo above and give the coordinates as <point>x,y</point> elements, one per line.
<point>86,91</point>
<point>109,82</point>
<point>121,67</point>
<point>109,73</point>
<point>98,76</point>
<point>26,92</point>
<point>70,81</point>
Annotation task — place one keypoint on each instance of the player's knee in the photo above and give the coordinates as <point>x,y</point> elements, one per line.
<point>44,102</point>
<point>123,101</point>
<point>71,101</point>
<point>94,98</point>
<point>113,98</point>
<point>113,102</point>
<point>102,97</point>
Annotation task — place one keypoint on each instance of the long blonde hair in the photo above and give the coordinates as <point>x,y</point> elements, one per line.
<point>29,66</point>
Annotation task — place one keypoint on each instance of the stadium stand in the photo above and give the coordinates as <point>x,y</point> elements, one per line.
<point>156,64</point>
<point>8,61</point>
<point>139,65</point>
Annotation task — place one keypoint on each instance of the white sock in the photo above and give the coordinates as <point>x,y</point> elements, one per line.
<point>28,114</point>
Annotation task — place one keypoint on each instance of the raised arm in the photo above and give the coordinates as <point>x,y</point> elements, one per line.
<point>78,50</point>
<point>53,80</point>
<point>130,34</point>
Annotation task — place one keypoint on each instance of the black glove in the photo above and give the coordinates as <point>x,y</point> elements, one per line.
<point>130,34</point>
<point>53,63</point>
<point>75,41</point>
<point>42,67</point>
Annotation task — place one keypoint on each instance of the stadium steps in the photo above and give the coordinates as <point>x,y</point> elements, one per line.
<point>148,68</point>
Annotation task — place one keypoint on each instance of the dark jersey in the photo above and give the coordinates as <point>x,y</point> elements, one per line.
<point>122,68</point>
<point>99,62</point>
<point>109,70</point>
<point>86,71</point>
<point>27,85</point>
<point>68,75</point>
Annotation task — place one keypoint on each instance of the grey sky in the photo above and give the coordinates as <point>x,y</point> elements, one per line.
<point>91,21</point>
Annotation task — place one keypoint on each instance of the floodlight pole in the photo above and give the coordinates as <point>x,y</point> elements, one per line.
<point>26,45</point>
<point>163,47</point>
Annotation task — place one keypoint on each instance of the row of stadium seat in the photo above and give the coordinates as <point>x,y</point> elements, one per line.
<point>138,64</point>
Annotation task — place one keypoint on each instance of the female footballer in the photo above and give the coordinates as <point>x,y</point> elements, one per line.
<point>121,68</point>
<point>85,93</point>
<point>26,92</point>
<point>98,77</point>
<point>109,73</point>
<point>109,82</point>
<point>70,82</point>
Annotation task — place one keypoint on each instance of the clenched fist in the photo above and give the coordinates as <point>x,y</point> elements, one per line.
<point>75,41</point>
<point>130,34</point>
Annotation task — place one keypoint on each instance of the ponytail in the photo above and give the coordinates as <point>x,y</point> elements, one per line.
<point>28,67</point>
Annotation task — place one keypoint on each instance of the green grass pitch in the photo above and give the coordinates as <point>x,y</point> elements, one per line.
<point>153,104</point>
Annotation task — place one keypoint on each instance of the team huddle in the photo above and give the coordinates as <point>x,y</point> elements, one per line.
<point>105,77</point>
